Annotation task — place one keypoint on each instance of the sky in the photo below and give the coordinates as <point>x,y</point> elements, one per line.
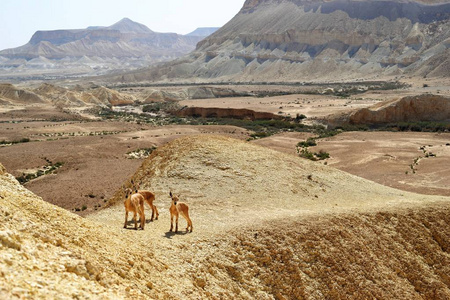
<point>20,19</point>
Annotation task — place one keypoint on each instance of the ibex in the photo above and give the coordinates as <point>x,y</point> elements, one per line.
<point>176,209</point>
<point>149,198</point>
<point>134,202</point>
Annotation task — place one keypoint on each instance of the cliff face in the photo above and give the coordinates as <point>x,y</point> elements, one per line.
<point>303,40</point>
<point>408,109</point>
<point>212,112</point>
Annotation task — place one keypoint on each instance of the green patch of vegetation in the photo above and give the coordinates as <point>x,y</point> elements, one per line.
<point>305,153</point>
<point>23,140</point>
<point>302,147</point>
<point>321,155</point>
<point>416,126</point>
<point>310,142</point>
<point>47,169</point>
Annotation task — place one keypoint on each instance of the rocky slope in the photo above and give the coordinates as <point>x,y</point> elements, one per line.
<point>100,95</point>
<point>95,50</point>
<point>62,97</point>
<point>289,40</point>
<point>266,225</point>
<point>427,107</point>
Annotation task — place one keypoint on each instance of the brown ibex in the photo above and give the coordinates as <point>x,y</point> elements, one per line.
<point>176,209</point>
<point>134,202</point>
<point>149,197</point>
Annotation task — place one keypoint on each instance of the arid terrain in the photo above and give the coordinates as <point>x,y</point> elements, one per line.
<point>96,154</point>
<point>267,225</point>
<point>310,140</point>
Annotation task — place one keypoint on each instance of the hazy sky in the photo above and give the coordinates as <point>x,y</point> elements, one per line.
<point>19,19</point>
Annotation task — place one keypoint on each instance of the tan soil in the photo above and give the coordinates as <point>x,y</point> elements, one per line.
<point>383,157</point>
<point>313,106</point>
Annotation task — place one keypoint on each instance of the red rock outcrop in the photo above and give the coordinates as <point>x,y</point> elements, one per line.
<point>212,112</point>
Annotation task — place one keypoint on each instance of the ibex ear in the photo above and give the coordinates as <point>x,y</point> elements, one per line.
<point>170,194</point>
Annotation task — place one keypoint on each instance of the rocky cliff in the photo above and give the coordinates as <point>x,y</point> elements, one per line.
<point>338,39</point>
<point>234,113</point>
<point>407,109</point>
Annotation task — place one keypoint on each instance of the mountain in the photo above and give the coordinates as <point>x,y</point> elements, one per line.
<point>203,31</point>
<point>124,45</point>
<point>287,40</point>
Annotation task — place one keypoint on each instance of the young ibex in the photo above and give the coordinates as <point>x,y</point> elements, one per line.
<point>134,202</point>
<point>176,209</point>
<point>149,198</point>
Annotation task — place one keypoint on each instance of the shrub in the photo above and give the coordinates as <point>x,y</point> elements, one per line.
<point>310,142</point>
<point>306,154</point>
<point>321,155</point>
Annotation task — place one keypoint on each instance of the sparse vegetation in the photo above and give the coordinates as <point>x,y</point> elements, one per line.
<point>302,147</point>
<point>308,143</point>
<point>416,126</point>
<point>47,169</point>
<point>22,140</point>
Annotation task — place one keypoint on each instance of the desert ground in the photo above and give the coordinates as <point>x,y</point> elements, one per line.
<point>94,153</point>
<point>267,225</point>
<point>96,160</point>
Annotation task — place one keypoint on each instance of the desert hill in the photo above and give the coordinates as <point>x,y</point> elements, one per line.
<point>266,225</point>
<point>62,97</point>
<point>293,40</point>
<point>95,50</point>
<point>78,95</point>
<point>10,94</point>
<point>422,108</point>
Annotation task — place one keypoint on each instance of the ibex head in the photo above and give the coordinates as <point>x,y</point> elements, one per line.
<point>174,198</point>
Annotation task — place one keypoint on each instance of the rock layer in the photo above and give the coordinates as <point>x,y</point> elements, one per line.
<point>234,113</point>
<point>304,40</point>
<point>407,109</point>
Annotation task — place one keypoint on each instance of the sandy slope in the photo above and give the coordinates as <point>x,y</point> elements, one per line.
<point>266,225</point>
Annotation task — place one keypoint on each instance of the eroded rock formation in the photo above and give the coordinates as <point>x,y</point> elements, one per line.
<point>271,40</point>
<point>407,109</point>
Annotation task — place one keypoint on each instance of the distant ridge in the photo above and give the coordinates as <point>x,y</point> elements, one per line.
<point>95,50</point>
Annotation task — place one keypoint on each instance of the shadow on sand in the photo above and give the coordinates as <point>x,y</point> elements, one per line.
<point>170,234</point>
